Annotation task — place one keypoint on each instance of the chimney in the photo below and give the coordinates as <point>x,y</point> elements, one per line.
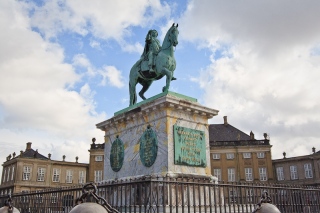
<point>28,145</point>
<point>251,136</point>
<point>225,119</point>
<point>284,154</point>
<point>313,150</point>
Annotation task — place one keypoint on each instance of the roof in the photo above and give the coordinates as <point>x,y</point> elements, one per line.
<point>30,153</point>
<point>226,132</point>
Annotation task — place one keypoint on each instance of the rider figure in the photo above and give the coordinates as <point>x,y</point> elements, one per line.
<point>152,47</point>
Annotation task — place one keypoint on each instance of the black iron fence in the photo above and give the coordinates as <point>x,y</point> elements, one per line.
<point>174,195</point>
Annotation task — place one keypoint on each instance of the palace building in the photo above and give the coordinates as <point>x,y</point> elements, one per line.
<point>237,156</point>
<point>32,171</point>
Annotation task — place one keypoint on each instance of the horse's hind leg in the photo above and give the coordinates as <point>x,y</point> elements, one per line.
<point>145,87</point>
<point>132,92</point>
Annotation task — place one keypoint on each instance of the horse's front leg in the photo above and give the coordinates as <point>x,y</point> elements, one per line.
<point>169,75</point>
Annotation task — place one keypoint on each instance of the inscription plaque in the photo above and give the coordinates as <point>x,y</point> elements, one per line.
<point>189,147</point>
<point>117,154</point>
<point>148,147</point>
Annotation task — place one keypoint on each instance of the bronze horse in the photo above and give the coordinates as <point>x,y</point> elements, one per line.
<point>165,64</point>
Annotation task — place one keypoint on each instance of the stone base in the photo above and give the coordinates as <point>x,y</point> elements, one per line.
<point>160,114</point>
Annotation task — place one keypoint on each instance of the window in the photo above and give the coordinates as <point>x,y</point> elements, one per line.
<point>293,172</point>
<point>26,173</point>
<point>99,158</point>
<point>41,174</point>
<point>4,176</point>
<point>249,193</point>
<point>217,173</point>
<point>82,176</point>
<point>97,176</point>
<point>69,176</point>
<point>38,196</point>
<point>263,174</point>
<point>24,199</point>
<point>12,173</point>
<point>246,155</point>
<point>248,174</point>
<point>233,196</point>
<point>230,156</point>
<point>231,175</point>
<point>56,175</point>
<point>308,170</point>
<point>54,197</point>
<point>216,156</point>
<point>8,177</point>
<point>260,154</point>
<point>280,174</point>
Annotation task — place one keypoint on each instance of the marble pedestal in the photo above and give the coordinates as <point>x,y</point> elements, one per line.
<point>161,113</point>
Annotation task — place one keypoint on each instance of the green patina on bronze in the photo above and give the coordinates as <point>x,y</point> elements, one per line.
<point>189,147</point>
<point>117,154</point>
<point>156,61</point>
<point>148,147</point>
<point>180,96</point>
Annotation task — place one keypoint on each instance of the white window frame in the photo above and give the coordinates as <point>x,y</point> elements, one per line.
<point>56,175</point>
<point>230,156</point>
<point>26,175</point>
<point>41,174</point>
<point>4,175</point>
<point>248,174</point>
<point>294,172</point>
<point>82,176</point>
<point>217,173</point>
<point>69,174</point>
<point>249,193</point>
<point>231,175</point>
<point>97,176</point>
<point>12,173</point>
<point>263,174</point>
<point>216,156</point>
<point>54,197</point>
<point>38,197</point>
<point>280,173</point>
<point>260,154</point>
<point>247,155</point>
<point>24,199</point>
<point>308,170</point>
<point>99,158</point>
<point>8,175</point>
<point>233,196</point>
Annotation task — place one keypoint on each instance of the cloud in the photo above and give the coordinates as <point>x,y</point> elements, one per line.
<point>263,66</point>
<point>95,44</point>
<point>38,102</point>
<point>111,76</point>
<point>109,20</point>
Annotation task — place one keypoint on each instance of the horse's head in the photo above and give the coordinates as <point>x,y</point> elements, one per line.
<point>173,35</point>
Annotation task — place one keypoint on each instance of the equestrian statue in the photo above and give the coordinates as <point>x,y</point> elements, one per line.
<point>156,61</point>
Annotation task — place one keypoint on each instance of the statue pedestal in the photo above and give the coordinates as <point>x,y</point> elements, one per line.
<point>166,134</point>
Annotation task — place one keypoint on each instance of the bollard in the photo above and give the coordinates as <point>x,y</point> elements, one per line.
<point>8,208</point>
<point>265,206</point>
<point>101,205</point>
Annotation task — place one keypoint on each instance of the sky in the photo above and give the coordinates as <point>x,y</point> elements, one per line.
<point>64,67</point>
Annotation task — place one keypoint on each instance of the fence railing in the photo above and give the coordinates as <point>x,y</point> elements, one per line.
<point>174,195</point>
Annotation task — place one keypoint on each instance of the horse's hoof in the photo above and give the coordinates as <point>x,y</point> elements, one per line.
<point>173,78</point>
